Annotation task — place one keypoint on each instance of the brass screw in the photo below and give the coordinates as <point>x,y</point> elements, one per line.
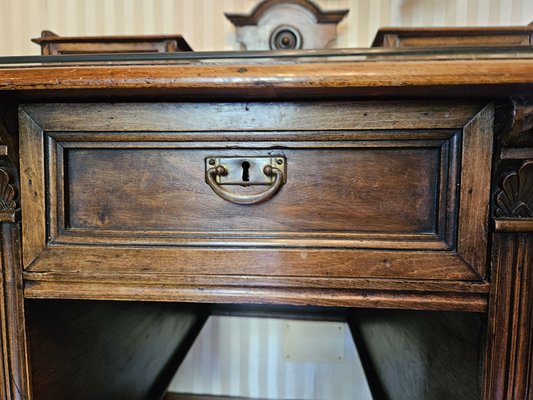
<point>220,170</point>
<point>279,161</point>
<point>267,170</point>
<point>211,162</point>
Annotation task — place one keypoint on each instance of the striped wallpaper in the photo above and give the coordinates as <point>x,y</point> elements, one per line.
<point>203,24</point>
<point>238,356</point>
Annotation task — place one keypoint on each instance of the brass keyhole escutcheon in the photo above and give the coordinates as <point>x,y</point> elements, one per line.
<point>245,171</point>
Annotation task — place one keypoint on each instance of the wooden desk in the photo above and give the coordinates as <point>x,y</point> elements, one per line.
<point>408,185</point>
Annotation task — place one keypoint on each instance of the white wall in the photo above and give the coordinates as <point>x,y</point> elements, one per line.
<point>204,26</point>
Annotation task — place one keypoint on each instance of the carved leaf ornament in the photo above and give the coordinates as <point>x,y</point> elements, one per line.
<point>7,192</point>
<point>515,197</point>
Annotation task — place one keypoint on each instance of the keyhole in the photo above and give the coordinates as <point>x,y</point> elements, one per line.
<point>245,171</point>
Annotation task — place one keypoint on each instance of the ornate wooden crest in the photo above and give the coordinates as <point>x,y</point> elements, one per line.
<point>286,24</point>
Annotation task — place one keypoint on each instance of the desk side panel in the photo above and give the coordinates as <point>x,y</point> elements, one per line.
<point>108,350</point>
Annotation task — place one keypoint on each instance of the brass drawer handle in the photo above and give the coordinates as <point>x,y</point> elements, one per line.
<point>268,170</point>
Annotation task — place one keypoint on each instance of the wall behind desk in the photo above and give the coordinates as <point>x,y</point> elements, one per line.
<point>204,26</point>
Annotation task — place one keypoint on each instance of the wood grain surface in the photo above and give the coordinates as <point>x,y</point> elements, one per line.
<point>367,196</point>
<point>76,249</point>
<point>422,78</point>
<point>377,298</point>
<point>453,36</point>
<point>200,121</point>
<point>509,362</point>
<point>338,191</point>
<point>15,367</point>
<point>32,194</point>
<point>475,198</point>
<point>380,293</point>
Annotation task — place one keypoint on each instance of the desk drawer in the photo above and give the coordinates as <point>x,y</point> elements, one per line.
<point>382,190</point>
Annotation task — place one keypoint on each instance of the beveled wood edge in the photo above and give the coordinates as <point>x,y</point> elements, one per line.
<point>403,32</point>
<point>516,153</point>
<point>303,262</point>
<point>58,235</point>
<point>151,236</point>
<point>70,139</point>
<point>276,240</point>
<point>253,144</point>
<point>9,215</point>
<point>472,302</point>
<point>398,284</point>
<point>474,197</point>
<point>135,121</point>
<point>448,192</point>
<point>378,77</point>
<point>513,225</point>
<point>45,39</point>
<point>54,178</point>
<point>32,188</point>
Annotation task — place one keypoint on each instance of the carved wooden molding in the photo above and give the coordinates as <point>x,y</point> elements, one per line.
<point>14,355</point>
<point>322,17</point>
<point>9,209</point>
<point>515,120</point>
<point>514,199</point>
<point>509,360</point>
<point>13,341</point>
<point>7,192</point>
<point>286,25</point>
<point>9,140</point>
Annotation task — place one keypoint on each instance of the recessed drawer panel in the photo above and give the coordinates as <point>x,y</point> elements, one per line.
<point>340,190</point>
<point>354,199</point>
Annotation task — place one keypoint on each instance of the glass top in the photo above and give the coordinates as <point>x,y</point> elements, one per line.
<point>279,56</point>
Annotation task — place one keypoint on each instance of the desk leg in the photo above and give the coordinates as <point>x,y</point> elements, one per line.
<point>509,363</point>
<point>14,364</point>
<point>14,350</point>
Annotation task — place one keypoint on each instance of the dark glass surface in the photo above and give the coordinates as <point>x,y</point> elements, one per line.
<point>365,54</point>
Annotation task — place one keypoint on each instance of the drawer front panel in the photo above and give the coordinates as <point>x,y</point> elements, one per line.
<point>338,190</point>
<point>360,200</point>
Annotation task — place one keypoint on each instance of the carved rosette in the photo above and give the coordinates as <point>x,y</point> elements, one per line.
<point>514,199</point>
<point>7,192</point>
